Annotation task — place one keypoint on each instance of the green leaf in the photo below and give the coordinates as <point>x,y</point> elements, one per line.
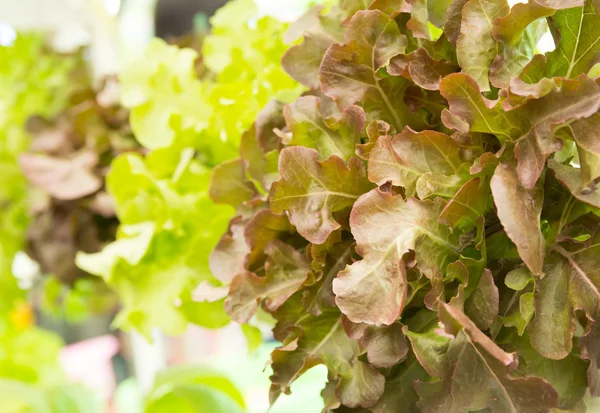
<point>518,279</point>
<point>253,337</point>
<point>161,89</point>
<point>429,347</point>
<point>577,44</point>
<point>209,379</point>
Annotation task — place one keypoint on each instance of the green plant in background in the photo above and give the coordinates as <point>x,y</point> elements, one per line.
<point>431,232</point>
<point>192,389</point>
<point>19,397</point>
<point>169,224</point>
<point>33,80</point>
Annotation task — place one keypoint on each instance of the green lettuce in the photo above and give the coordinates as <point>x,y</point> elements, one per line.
<point>187,124</point>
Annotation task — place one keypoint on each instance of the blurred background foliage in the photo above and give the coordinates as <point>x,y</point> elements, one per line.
<point>188,101</point>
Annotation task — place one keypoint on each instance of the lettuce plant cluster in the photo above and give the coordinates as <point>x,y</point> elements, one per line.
<point>66,163</point>
<point>424,221</point>
<point>188,115</point>
<point>33,80</point>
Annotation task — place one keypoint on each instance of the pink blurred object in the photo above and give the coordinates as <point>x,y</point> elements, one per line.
<point>90,362</point>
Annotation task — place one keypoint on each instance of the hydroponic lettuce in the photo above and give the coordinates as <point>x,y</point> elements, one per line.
<point>169,224</point>
<point>66,163</point>
<point>430,233</point>
<point>33,80</point>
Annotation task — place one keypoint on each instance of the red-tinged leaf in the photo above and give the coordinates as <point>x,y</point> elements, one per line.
<point>483,306</point>
<point>348,71</point>
<point>532,123</point>
<point>560,4</point>
<point>63,179</point>
<point>519,210</point>
<point>421,69</point>
<point>587,133</point>
<point>399,395</point>
<point>375,129</point>
<point>385,346</point>
<point>260,144</point>
<point>419,21</point>
<point>521,86</point>
<point>455,321</point>
<point>229,184</point>
<point>571,283</point>
<point>576,99</point>
<point>437,11</point>
<point>429,347</point>
<point>302,61</point>
<point>589,164</point>
<point>354,6</point>
<point>510,28</point>
<point>323,341</point>
<point>318,297</point>
<point>402,160</point>
<point>261,229</point>
<point>567,376</point>
<point>476,47</point>
<point>454,20</point>
<point>571,178</point>
<point>391,7</point>
<point>590,350</point>
<point>373,290</point>
<point>229,256</point>
<point>286,270</point>
<point>318,123</point>
<point>519,32</point>
<point>478,381</point>
<point>470,202</point>
<point>480,114</point>
<point>270,118</point>
<point>311,190</point>
<point>576,31</point>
